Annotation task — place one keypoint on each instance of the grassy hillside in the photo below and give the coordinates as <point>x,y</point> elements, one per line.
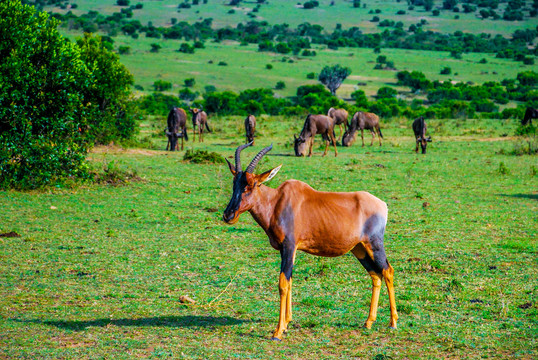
<point>100,270</point>
<point>247,67</point>
<point>160,13</point>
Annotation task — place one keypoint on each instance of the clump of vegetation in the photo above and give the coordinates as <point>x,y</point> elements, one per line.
<point>202,157</point>
<point>113,174</point>
<point>503,169</point>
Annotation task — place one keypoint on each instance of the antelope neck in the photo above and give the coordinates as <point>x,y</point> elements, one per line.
<point>263,210</point>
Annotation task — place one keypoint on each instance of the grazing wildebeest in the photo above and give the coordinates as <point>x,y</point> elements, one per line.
<point>296,217</point>
<point>419,128</point>
<point>177,128</point>
<point>250,126</point>
<point>199,120</point>
<point>313,125</point>
<point>362,120</point>
<point>530,114</point>
<point>340,117</point>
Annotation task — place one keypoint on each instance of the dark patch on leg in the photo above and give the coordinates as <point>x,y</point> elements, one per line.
<point>374,229</point>
<point>287,248</point>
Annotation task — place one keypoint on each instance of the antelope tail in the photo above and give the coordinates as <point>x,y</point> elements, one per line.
<point>207,127</point>
<point>185,134</point>
<point>380,134</point>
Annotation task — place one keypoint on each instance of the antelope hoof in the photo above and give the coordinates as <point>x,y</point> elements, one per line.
<point>368,324</point>
<point>392,327</point>
<point>275,339</point>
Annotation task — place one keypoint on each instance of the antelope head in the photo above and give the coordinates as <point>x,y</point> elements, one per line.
<point>246,184</point>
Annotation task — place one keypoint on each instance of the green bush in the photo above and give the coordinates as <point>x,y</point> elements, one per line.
<point>43,114</point>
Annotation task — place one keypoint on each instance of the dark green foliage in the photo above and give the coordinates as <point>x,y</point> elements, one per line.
<point>280,85</point>
<point>311,75</point>
<point>415,80</point>
<point>124,50</point>
<point>202,157</point>
<point>189,82</point>
<point>47,119</point>
<point>113,174</point>
<point>310,4</point>
<point>360,98</point>
<point>111,119</point>
<point>386,92</point>
<point>268,66</point>
<point>123,2</point>
<point>155,47</point>
<point>446,70</point>
<point>186,48</point>
<point>187,94</point>
<point>161,85</point>
<point>156,103</point>
<point>333,76</point>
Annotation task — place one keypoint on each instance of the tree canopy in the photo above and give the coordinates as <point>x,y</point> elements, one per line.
<point>333,77</point>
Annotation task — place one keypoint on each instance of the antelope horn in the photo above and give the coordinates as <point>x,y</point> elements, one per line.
<point>238,156</point>
<point>257,158</point>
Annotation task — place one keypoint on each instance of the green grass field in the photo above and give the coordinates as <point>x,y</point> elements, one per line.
<point>246,67</point>
<point>160,13</point>
<point>98,271</point>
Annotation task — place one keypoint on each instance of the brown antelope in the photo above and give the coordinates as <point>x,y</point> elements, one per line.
<point>362,120</point>
<point>177,120</point>
<point>250,126</point>
<point>199,120</point>
<point>340,117</point>
<point>419,128</point>
<point>296,217</point>
<point>313,125</point>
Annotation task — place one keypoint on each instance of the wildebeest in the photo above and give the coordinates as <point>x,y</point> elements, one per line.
<point>313,125</point>
<point>530,114</point>
<point>250,126</point>
<point>296,217</point>
<point>419,128</point>
<point>340,117</point>
<point>177,128</point>
<point>199,120</point>
<point>362,120</point>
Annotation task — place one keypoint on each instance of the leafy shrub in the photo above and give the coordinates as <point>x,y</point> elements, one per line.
<point>186,48</point>
<point>446,70</point>
<point>280,85</point>
<point>45,145</point>
<point>189,82</point>
<point>311,75</point>
<point>268,66</point>
<point>202,157</point>
<point>161,85</point>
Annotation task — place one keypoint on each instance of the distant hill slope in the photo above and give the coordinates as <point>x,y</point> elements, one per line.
<point>161,13</point>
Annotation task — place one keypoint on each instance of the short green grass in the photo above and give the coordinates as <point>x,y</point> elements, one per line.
<point>246,67</point>
<point>99,270</point>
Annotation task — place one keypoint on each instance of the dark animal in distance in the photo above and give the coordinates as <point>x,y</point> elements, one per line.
<point>250,127</point>
<point>530,114</point>
<point>340,117</point>
<point>362,120</point>
<point>313,125</point>
<point>296,217</point>
<point>177,128</point>
<point>199,121</point>
<point>419,128</point>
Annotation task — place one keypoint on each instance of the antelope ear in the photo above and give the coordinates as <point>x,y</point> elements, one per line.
<point>232,170</point>
<point>268,175</point>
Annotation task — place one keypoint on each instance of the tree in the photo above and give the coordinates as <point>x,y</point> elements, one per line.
<point>333,77</point>
<point>110,92</point>
<point>42,109</point>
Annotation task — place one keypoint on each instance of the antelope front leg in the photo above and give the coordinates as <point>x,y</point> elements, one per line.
<point>284,287</point>
<point>362,137</point>
<point>373,137</point>
<point>388,274</point>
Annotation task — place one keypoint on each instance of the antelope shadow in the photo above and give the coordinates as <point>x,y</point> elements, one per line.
<point>158,321</point>
<point>527,196</point>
